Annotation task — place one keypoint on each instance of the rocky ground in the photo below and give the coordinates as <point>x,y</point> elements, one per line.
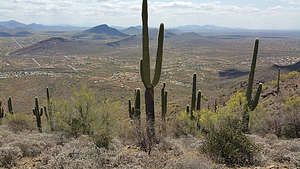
<point>30,149</point>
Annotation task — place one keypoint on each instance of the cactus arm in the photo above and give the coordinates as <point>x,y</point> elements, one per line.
<point>146,57</point>
<point>256,98</point>
<point>37,104</point>
<point>251,74</point>
<point>159,56</point>
<point>41,112</point>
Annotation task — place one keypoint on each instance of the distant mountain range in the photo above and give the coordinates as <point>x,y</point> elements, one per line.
<point>132,30</point>
<point>37,27</point>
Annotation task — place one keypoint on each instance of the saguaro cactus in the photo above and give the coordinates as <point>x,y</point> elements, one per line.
<point>1,111</point>
<point>199,101</point>
<point>251,103</point>
<point>164,103</point>
<point>9,105</point>
<point>278,81</point>
<point>49,111</point>
<point>135,112</point>
<point>194,90</point>
<point>38,114</point>
<point>145,72</point>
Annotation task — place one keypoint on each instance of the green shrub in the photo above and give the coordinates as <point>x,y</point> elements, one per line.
<point>84,115</point>
<point>225,141</point>
<point>291,117</point>
<point>18,122</point>
<point>227,144</point>
<point>183,125</point>
<point>290,75</point>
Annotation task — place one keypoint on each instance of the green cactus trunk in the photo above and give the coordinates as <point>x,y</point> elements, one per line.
<point>150,115</point>
<point>251,103</point>
<point>1,111</point>
<point>199,101</point>
<point>187,109</point>
<point>49,107</point>
<point>38,114</point>
<point>278,82</point>
<point>164,103</point>
<point>146,75</point>
<point>194,90</point>
<point>130,112</point>
<point>9,105</point>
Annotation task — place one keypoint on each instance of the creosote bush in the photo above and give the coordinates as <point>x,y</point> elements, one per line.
<point>227,144</point>
<point>83,114</point>
<point>291,117</point>
<point>18,122</point>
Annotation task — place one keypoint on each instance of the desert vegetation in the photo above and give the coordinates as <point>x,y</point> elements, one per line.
<point>241,128</point>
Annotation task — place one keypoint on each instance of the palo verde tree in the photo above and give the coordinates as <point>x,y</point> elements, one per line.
<point>145,72</point>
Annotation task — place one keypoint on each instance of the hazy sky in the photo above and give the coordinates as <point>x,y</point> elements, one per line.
<point>262,14</point>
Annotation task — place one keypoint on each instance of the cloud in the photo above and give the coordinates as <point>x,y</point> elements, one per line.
<point>171,12</point>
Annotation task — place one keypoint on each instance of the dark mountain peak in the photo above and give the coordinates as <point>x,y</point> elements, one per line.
<point>105,30</point>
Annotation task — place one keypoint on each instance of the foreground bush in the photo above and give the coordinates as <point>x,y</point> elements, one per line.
<point>227,144</point>
<point>18,122</point>
<point>291,117</point>
<point>84,115</point>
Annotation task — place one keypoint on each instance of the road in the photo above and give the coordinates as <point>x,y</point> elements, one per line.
<point>21,46</point>
<point>36,62</point>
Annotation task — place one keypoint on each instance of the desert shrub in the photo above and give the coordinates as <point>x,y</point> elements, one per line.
<point>227,144</point>
<point>260,120</point>
<point>18,122</point>
<point>291,117</point>
<point>224,139</point>
<point>183,125</point>
<point>290,75</point>
<point>83,114</point>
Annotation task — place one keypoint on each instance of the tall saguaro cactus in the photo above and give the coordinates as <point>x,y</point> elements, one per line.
<point>278,82</point>
<point>49,112</point>
<point>199,101</point>
<point>251,102</point>
<point>194,90</point>
<point>9,105</point>
<point>38,114</point>
<point>1,110</point>
<point>145,72</point>
<point>164,104</point>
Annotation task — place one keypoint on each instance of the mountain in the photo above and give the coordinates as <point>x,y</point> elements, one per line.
<point>40,27</point>
<point>101,32</point>
<point>59,46</point>
<point>106,30</point>
<point>292,67</point>
<point>204,28</point>
<point>133,30</point>
<point>12,24</point>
